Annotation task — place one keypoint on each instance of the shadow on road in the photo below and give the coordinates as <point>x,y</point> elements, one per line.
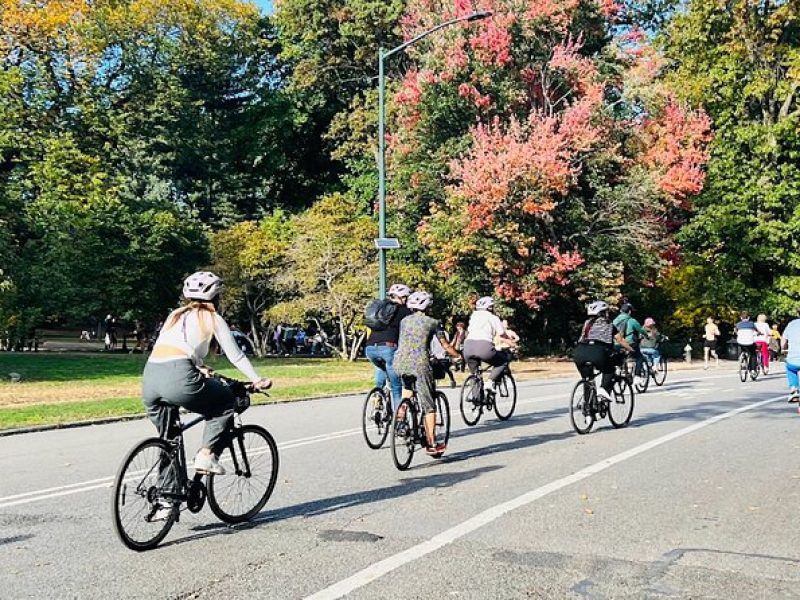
<point>405,487</point>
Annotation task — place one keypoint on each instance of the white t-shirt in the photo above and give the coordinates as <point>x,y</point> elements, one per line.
<point>483,326</point>
<point>762,332</point>
<point>194,337</point>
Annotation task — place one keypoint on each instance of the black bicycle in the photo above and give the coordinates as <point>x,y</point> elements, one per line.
<point>628,370</point>
<point>152,483</point>
<point>475,398</point>
<point>409,428</point>
<point>657,371</point>
<point>749,365</point>
<point>586,407</point>
<point>377,414</point>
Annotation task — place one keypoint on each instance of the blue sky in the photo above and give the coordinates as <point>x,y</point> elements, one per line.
<point>265,5</point>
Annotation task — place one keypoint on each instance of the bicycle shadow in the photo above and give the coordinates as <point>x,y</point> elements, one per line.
<point>702,411</point>
<point>508,446</point>
<point>495,424</point>
<point>405,487</point>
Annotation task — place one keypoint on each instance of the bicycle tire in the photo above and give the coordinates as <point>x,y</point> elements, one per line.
<point>623,401</point>
<point>754,373</point>
<point>641,387</point>
<point>442,418</point>
<point>660,374</point>
<point>403,439</point>
<point>579,396</point>
<point>743,367</point>
<point>505,394</point>
<point>137,467</point>
<point>470,405</point>
<point>253,447</point>
<point>376,418</point>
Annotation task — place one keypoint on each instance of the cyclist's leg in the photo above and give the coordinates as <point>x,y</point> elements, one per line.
<point>472,354</point>
<point>426,392</point>
<point>637,353</point>
<point>792,378</point>
<point>652,355</point>
<point>374,354</point>
<point>763,348</point>
<point>394,378</point>
<point>162,415</point>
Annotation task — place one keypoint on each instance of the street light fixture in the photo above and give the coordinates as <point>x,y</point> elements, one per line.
<point>382,56</point>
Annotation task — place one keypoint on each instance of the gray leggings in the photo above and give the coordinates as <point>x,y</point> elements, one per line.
<point>179,383</point>
<point>425,385</point>
<point>479,350</point>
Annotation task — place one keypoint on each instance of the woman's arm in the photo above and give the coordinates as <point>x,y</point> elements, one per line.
<point>231,349</point>
<point>447,346</point>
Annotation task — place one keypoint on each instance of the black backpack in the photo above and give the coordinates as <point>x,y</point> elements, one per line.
<point>379,314</point>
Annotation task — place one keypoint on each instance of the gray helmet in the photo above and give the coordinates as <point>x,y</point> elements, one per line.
<point>597,307</point>
<point>202,285</point>
<point>484,303</point>
<point>419,300</point>
<point>400,290</point>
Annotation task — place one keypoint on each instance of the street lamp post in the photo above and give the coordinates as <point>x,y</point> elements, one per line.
<point>382,56</point>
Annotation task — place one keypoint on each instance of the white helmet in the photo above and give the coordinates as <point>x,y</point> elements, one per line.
<point>484,303</point>
<point>400,290</point>
<point>419,300</point>
<point>597,307</point>
<point>202,285</point>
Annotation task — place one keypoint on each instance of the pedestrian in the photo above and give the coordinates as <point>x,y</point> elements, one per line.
<point>774,342</point>
<point>791,343</point>
<point>459,336</point>
<point>711,337</point>
<point>440,361</point>
<point>510,342</point>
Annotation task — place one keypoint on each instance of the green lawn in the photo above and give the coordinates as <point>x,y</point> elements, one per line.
<point>61,388</point>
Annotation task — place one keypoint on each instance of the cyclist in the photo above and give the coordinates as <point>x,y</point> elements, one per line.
<point>746,338</point>
<point>484,328</point>
<point>632,331</point>
<point>595,349</point>
<point>175,375</point>
<point>791,342</point>
<point>763,335</point>
<point>650,341</point>
<point>381,345</point>
<point>412,359</point>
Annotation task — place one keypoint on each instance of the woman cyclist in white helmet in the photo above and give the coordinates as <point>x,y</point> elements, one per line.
<point>413,359</point>
<point>595,349</point>
<point>175,375</point>
<point>479,345</point>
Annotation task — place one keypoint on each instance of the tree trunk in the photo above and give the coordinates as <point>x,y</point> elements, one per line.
<point>357,341</point>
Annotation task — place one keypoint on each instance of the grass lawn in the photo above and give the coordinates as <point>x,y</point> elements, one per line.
<point>60,388</point>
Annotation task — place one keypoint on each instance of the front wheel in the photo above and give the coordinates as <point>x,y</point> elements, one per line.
<point>442,418</point>
<point>252,464</point>
<point>403,440</point>
<point>471,405</point>
<point>620,408</point>
<point>581,407</point>
<point>660,372</point>
<point>376,418</point>
<point>505,397</point>
<point>641,382</point>
<point>142,514</point>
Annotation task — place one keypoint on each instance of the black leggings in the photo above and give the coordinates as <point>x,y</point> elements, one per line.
<point>589,357</point>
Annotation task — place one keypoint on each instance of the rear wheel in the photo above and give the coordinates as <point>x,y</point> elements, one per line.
<point>252,464</point>
<point>403,440</point>
<point>755,367</point>
<point>620,408</point>
<point>471,405</point>
<point>505,397</point>
<point>581,412</point>
<point>147,472</point>
<point>376,418</point>
<point>743,367</point>
<point>660,372</point>
<point>442,418</point>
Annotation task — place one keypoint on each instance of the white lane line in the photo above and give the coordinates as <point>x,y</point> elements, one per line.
<point>104,482</point>
<point>381,568</point>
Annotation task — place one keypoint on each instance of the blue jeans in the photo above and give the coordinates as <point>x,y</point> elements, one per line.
<point>386,353</point>
<point>791,374</point>
<point>652,353</point>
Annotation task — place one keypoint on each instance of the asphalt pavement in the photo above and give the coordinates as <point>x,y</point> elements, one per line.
<point>695,499</point>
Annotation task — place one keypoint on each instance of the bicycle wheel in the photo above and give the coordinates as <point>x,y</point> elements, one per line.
<point>660,372</point>
<point>743,367</point>
<point>644,380</point>
<point>403,440</point>
<point>442,418</point>
<point>138,495</point>
<point>505,397</point>
<point>620,409</point>
<point>377,416</point>
<point>471,405</point>
<point>252,464</point>
<point>755,367</point>
<point>581,414</point>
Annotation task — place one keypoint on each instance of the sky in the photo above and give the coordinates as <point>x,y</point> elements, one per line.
<point>264,5</point>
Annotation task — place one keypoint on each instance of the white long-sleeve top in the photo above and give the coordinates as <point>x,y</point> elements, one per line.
<point>190,337</point>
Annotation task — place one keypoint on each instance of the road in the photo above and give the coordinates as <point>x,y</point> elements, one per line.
<point>695,499</point>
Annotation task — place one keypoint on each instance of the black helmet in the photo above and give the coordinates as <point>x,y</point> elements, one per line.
<point>626,307</point>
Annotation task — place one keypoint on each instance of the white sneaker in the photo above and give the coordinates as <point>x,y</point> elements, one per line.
<point>163,513</point>
<point>208,463</point>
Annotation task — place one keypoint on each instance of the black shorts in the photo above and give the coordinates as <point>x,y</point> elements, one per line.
<point>711,344</point>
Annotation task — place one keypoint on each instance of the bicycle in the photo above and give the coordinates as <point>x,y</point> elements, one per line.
<point>409,430</point>
<point>657,372</point>
<point>628,369</point>
<point>377,414</point>
<point>153,478</point>
<point>475,397</point>
<point>749,365</point>
<point>588,407</point>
